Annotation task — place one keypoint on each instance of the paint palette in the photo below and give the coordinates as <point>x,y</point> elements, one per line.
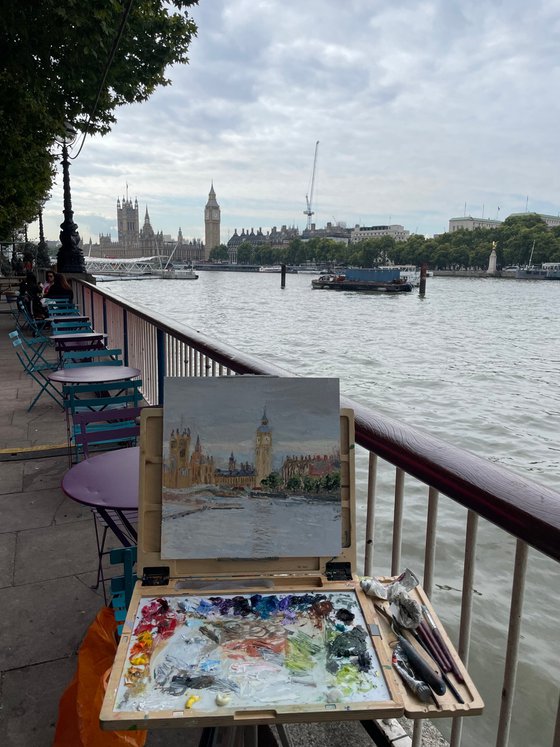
<point>226,654</point>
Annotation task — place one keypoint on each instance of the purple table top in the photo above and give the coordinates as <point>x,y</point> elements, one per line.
<point>107,480</point>
<point>93,374</point>
<point>76,336</point>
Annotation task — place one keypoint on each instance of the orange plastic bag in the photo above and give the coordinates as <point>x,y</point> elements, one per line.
<point>79,707</point>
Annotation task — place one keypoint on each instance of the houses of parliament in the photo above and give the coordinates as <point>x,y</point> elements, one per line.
<point>134,242</point>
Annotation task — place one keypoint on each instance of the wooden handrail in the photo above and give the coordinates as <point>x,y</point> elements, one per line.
<point>519,506</point>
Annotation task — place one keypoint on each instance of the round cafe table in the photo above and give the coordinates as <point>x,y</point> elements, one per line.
<point>93,374</point>
<point>108,483</point>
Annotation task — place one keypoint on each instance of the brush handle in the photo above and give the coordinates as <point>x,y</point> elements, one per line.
<point>421,668</point>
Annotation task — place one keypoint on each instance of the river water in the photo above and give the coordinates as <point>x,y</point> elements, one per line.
<point>476,362</point>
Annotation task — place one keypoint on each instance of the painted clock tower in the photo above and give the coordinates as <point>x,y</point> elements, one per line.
<point>263,450</point>
<point>211,223</point>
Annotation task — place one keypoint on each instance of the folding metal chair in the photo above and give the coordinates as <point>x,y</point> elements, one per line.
<point>26,321</point>
<point>103,357</point>
<point>37,373</point>
<point>35,346</point>
<point>118,427</point>
<point>110,428</point>
<point>107,398</point>
<point>64,328</point>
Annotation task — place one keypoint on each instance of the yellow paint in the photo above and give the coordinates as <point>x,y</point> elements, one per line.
<point>191,701</point>
<point>139,660</point>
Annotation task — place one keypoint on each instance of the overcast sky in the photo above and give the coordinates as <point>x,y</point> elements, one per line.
<point>420,106</point>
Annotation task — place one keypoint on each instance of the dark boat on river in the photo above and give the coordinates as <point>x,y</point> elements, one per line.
<point>376,280</point>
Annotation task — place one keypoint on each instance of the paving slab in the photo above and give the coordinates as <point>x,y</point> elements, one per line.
<point>30,698</point>
<point>7,559</point>
<point>55,552</point>
<point>69,510</point>
<point>44,621</point>
<point>12,477</point>
<point>20,511</point>
<point>44,473</point>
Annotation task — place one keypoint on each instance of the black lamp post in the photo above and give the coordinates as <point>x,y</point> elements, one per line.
<point>70,258</point>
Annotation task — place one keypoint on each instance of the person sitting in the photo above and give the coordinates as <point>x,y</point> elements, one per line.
<point>30,294</point>
<point>49,280</point>
<point>60,288</point>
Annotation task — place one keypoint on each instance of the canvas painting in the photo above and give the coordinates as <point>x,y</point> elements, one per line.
<point>206,654</point>
<point>251,468</point>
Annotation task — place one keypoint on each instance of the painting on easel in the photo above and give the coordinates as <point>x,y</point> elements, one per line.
<point>207,654</point>
<point>251,468</point>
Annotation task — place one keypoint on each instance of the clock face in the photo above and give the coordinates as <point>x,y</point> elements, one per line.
<point>215,214</point>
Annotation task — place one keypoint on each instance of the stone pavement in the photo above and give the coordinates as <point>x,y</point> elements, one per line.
<point>47,567</point>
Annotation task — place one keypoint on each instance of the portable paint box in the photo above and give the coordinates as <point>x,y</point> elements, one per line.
<point>237,642</point>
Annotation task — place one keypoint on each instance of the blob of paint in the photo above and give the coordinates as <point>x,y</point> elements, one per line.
<point>223,699</point>
<point>191,701</point>
<point>334,696</point>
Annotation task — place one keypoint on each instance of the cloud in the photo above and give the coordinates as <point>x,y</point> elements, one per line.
<point>420,106</point>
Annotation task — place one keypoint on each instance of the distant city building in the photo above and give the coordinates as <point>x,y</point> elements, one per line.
<point>395,231</point>
<point>134,242</point>
<point>273,238</point>
<point>468,223</point>
<point>211,223</point>
<point>333,231</point>
<point>552,221</point>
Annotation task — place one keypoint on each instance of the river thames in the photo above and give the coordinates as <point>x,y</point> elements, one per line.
<point>476,362</point>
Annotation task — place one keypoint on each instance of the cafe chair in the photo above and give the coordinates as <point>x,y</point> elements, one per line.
<point>25,320</point>
<point>102,357</point>
<point>65,328</point>
<point>105,397</point>
<point>37,371</point>
<point>108,429</point>
<point>35,346</point>
<point>55,311</point>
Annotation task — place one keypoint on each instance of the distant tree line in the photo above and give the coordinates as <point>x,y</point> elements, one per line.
<point>461,249</point>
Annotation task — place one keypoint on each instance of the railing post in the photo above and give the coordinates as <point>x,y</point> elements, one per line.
<point>430,549</point>
<point>104,314</point>
<point>466,610</point>
<point>512,655</point>
<point>370,517</point>
<point>160,364</point>
<point>397,522</point>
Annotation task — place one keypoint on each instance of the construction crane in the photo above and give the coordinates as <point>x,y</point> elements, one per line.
<point>309,197</point>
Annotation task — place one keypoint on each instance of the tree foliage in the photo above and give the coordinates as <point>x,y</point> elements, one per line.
<point>514,239</point>
<point>54,57</point>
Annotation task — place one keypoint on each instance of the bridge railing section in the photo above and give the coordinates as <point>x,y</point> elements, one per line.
<point>404,472</point>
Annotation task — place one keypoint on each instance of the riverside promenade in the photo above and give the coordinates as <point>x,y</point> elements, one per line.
<point>48,559</point>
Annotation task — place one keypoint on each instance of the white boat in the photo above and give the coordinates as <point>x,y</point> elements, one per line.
<point>530,271</point>
<point>272,268</point>
<point>409,273</point>
<point>276,268</point>
<point>552,270</point>
<point>178,272</point>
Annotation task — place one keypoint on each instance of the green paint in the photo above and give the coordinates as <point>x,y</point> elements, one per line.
<point>301,649</point>
<point>350,680</point>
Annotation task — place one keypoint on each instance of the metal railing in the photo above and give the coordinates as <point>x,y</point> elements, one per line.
<point>525,510</point>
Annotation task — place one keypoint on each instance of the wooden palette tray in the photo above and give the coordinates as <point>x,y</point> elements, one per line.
<point>448,705</point>
<point>303,700</point>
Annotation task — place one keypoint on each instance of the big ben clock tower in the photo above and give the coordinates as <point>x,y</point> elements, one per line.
<point>211,223</point>
<point>263,450</point>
